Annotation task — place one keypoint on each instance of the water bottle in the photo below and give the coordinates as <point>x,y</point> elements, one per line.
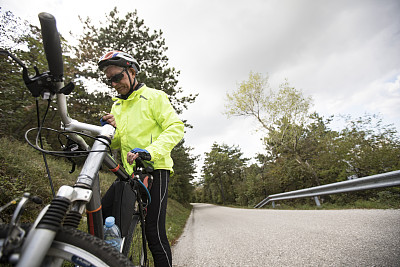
<point>112,234</point>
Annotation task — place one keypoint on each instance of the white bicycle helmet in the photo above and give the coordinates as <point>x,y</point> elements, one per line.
<point>118,58</point>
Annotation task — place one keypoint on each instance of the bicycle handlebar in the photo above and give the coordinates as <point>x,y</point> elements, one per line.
<point>52,49</point>
<point>52,45</point>
<point>51,83</point>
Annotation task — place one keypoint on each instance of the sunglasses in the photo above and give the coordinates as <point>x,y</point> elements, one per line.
<point>116,78</point>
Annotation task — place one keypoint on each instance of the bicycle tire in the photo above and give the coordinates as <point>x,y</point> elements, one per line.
<point>78,248</point>
<point>135,244</point>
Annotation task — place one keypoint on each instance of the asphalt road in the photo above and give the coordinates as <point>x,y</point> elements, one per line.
<point>221,236</point>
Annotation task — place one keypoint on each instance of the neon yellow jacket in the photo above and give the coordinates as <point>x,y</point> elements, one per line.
<point>147,120</point>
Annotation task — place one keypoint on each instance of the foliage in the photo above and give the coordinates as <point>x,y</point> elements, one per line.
<point>222,174</point>
<point>15,101</point>
<point>250,99</point>
<point>180,186</point>
<point>129,34</point>
<point>371,147</point>
<point>324,156</point>
<point>255,98</point>
<point>364,147</point>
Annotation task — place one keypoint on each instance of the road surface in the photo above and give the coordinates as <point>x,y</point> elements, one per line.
<point>221,236</point>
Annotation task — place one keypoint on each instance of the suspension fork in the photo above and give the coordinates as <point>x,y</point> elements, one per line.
<point>41,237</point>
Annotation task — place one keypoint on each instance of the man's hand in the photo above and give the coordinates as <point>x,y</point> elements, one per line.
<point>137,152</point>
<point>131,157</point>
<point>109,118</point>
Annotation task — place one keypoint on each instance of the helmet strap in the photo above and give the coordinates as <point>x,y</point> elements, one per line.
<point>130,81</point>
<point>132,88</point>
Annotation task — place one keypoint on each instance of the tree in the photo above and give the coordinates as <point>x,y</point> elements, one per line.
<point>282,115</point>
<point>222,172</point>
<point>250,99</point>
<point>129,34</point>
<point>301,149</point>
<point>181,187</point>
<point>255,98</point>
<point>369,146</point>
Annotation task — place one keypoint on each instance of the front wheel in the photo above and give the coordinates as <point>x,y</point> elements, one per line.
<point>77,248</point>
<point>135,245</point>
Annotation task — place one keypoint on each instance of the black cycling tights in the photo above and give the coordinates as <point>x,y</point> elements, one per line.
<point>155,220</point>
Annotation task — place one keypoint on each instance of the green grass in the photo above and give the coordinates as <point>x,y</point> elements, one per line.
<point>177,215</point>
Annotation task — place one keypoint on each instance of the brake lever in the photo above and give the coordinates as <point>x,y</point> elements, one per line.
<point>41,83</point>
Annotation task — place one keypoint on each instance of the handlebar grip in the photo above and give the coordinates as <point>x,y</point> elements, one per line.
<point>52,45</point>
<point>144,156</point>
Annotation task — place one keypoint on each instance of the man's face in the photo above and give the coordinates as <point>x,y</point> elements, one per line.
<point>118,79</point>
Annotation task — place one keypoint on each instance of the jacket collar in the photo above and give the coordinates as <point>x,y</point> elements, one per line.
<point>136,92</point>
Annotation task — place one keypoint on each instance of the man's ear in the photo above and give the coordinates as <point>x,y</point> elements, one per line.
<point>132,70</point>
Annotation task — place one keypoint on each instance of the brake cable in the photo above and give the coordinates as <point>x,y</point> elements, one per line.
<point>41,141</point>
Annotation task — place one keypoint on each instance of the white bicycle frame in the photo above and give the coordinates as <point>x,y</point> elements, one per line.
<point>85,192</point>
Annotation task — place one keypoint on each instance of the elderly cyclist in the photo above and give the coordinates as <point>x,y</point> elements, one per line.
<point>145,122</point>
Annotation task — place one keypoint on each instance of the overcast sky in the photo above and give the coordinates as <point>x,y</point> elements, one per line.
<point>344,54</point>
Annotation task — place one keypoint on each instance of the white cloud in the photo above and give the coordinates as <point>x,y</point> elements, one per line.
<point>384,97</point>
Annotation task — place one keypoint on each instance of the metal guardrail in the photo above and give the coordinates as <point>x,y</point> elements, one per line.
<point>388,179</point>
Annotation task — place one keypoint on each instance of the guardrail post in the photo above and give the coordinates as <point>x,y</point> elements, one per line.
<point>317,201</point>
<point>273,204</point>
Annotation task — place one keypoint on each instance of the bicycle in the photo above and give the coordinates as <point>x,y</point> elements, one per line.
<point>54,238</point>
